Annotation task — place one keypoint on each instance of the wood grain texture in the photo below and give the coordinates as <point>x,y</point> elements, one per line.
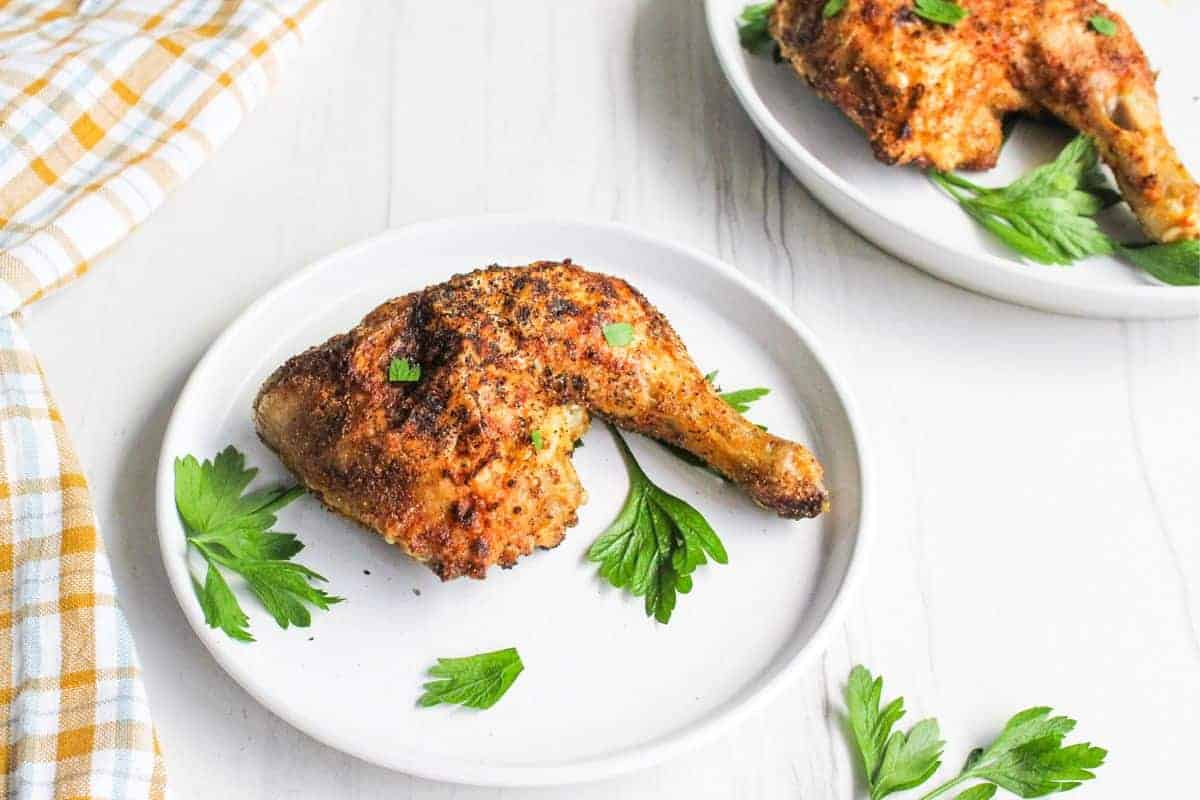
<point>1037,527</point>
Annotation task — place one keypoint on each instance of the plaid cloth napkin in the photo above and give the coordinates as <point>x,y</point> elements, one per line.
<point>106,106</point>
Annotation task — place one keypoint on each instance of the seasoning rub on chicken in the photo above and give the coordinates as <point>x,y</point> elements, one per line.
<point>935,94</point>
<point>469,465</point>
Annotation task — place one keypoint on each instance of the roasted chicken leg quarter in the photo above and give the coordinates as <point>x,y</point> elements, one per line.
<point>935,95</point>
<point>469,464</point>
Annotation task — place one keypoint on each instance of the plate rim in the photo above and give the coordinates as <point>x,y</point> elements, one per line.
<point>1024,285</point>
<point>621,761</point>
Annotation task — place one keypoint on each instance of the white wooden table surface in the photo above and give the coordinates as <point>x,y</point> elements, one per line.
<point>1039,511</point>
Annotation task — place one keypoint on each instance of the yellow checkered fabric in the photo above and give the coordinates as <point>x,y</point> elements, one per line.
<point>105,106</point>
<point>108,105</point>
<point>77,722</point>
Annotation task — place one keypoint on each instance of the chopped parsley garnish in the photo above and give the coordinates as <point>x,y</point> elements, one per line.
<point>618,334</point>
<point>401,370</point>
<point>941,11</point>
<point>753,25</point>
<point>833,8</point>
<point>1103,25</point>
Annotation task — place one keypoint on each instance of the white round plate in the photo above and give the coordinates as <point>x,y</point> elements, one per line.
<point>605,689</point>
<point>899,210</point>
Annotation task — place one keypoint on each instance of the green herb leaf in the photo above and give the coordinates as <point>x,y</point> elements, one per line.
<point>477,681</point>
<point>753,27</point>
<point>941,11</point>
<point>1028,758</point>
<point>909,760</point>
<point>1045,215</point>
<point>833,8</point>
<point>536,438</point>
<point>1103,25</point>
<point>401,370</point>
<point>209,494</point>
<point>1177,263</point>
<point>741,399</point>
<point>618,334</point>
<point>284,588</point>
<point>655,544</point>
<point>230,529</point>
<point>221,609</point>
<point>870,725</point>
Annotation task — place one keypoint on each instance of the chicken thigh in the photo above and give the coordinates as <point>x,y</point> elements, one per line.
<point>936,95</point>
<point>469,465</point>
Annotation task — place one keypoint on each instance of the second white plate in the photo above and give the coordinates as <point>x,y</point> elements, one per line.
<point>903,213</point>
<point>604,689</point>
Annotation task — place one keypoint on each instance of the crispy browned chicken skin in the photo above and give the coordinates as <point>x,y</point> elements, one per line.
<point>448,467</point>
<point>936,95</point>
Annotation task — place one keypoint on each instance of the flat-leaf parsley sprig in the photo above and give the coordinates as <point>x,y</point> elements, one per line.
<point>655,544</point>
<point>892,761</point>
<point>477,681</point>
<point>1027,758</point>
<point>231,529</point>
<point>1047,216</point>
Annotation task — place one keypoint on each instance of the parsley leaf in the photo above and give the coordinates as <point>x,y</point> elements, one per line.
<point>536,439</point>
<point>1045,215</point>
<point>741,399</point>
<point>477,681</point>
<point>618,334</point>
<point>1027,758</point>
<point>401,370</point>
<point>284,588</point>
<point>230,529</point>
<point>221,609</point>
<point>892,760</point>
<point>910,759</point>
<point>1103,25</point>
<point>753,24</point>
<point>869,724</point>
<point>209,495</point>
<point>942,11</point>
<point>1177,263</point>
<point>655,543</point>
<point>832,8</point>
